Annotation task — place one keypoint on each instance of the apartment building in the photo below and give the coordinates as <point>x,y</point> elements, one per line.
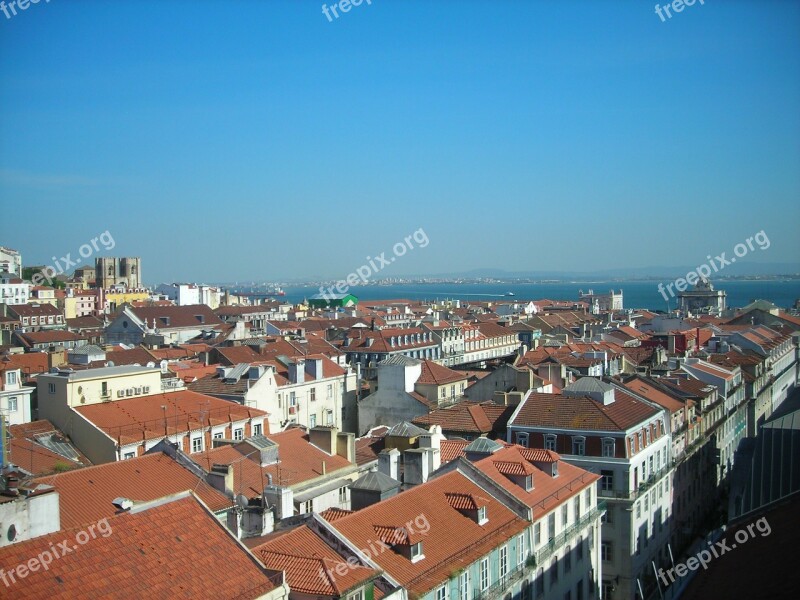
<point>608,430</point>
<point>15,398</point>
<point>13,290</point>
<point>308,390</point>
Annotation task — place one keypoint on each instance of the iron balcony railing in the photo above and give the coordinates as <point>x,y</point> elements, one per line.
<point>499,587</point>
<point>544,552</point>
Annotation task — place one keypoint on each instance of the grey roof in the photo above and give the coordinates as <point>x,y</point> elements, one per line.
<point>236,373</point>
<point>587,385</point>
<point>406,429</point>
<point>401,360</point>
<point>260,441</point>
<point>483,445</point>
<point>375,481</point>
<point>101,372</point>
<point>87,349</point>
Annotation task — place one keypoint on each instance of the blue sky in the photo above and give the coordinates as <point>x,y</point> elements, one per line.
<point>224,141</point>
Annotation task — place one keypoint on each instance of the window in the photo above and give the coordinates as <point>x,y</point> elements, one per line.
<point>12,404</point>
<point>503,561</point>
<point>416,552</point>
<point>484,572</point>
<point>554,571</point>
<point>312,421</point>
<point>606,551</point>
<point>646,505</point>
<point>528,483</point>
<point>666,484</point>
<point>218,435</point>
<point>51,388</point>
<point>551,526</point>
<point>342,495</point>
<point>608,517</point>
<point>329,392</point>
<point>540,583</point>
<point>444,392</point>
<point>520,549</point>
<point>238,434</point>
<point>550,442</point>
<point>312,394</point>
<point>256,429</point>
<point>197,444</point>
<point>522,439</point>
<point>537,534</point>
<point>579,548</point>
<point>359,595</point>
<point>638,510</point>
<point>463,586</point>
<point>639,437</point>
<point>608,589</point>
<point>129,455</point>
<point>564,515</point>
<point>11,378</point>
<point>482,515</point>
<point>588,498</point>
<point>647,437</point>
<point>577,506</point>
<point>609,449</point>
<point>579,446</point>
<point>292,399</point>
<point>606,480</point>
<point>567,559</point>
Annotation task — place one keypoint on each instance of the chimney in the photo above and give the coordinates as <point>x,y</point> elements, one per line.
<point>221,478</point>
<point>324,438</point>
<point>346,446</point>
<point>388,463</point>
<point>297,371</point>
<point>314,368</point>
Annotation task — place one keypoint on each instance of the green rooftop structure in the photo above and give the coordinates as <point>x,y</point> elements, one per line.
<point>332,300</point>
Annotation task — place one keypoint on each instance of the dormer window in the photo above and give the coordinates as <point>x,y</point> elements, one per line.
<point>482,515</point>
<point>550,442</point>
<point>528,483</point>
<point>579,445</point>
<point>416,552</point>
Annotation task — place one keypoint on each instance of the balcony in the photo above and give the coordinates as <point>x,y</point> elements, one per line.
<point>499,587</point>
<point>544,552</point>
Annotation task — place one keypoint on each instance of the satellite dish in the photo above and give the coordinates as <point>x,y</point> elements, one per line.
<point>241,501</point>
<point>151,364</point>
<point>110,363</point>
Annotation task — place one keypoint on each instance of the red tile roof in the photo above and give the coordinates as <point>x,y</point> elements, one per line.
<point>172,550</point>
<point>468,417</point>
<point>450,539</point>
<point>299,461</point>
<point>28,453</point>
<point>583,413</point>
<point>310,564</point>
<point>135,419</point>
<point>548,491</point>
<point>434,373</point>
<point>178,316</point>
<point>86,494</point>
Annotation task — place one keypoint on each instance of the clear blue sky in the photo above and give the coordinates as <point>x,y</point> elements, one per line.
<point>258,140</point>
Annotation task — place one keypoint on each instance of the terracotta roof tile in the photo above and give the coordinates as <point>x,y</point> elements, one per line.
<point>86,494</point>
<point>176,549</point>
